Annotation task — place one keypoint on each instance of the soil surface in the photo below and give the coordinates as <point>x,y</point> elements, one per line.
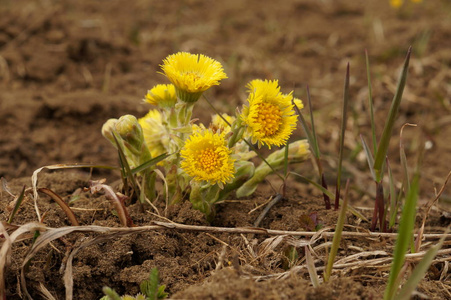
<point>68,66</point>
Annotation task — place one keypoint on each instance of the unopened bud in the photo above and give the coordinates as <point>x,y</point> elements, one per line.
<point>108,129</point>
<point>130,131</point>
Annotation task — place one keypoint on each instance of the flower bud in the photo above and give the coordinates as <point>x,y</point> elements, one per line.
<point>108,129</point>
<point>130,131</point>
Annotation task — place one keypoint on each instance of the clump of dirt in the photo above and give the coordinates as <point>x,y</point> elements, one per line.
<point>228,284</point>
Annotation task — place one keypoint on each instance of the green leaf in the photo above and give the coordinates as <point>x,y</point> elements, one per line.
<point>337,235</point>
<point>17,205</point>
<point>161,293</point>
<point>310,137</point>
<point>420,270</point>
<point>393,198</point>
<point>369,157</point>
<point>150,287</point>
<point>344,119</point>
<point>149,163</point>
<point>110,293</point>
<point>404,238</point>
<point>370,102</point>
<point>386,134</point>
<point>125,167</point>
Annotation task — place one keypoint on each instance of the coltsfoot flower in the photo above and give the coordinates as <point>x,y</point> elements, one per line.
<point>218,123</point>
<point>108,130</point>
<point>398,3</point>
<point>162,95</point>
<point>270,117</point>
<point>207,158</point>
<point>154,132</point>
<point>192,74</point>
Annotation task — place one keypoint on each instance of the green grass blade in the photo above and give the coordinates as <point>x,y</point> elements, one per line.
<point>420,270</point>
<point>344,120</point>
<point>307,131</point>
<point>285,169</point>
<point>404,237</point>
<point>285,162</point>
<point>337,235</point>
<point>311,267</point>
<point>313,141</point>
<point>369,157</point>
<point>126,171</point>
<point>149,163</point>
<point>386,134</point>
<point>370,101</point>
<point>17,205</point>
<point>393,198</point>
<point>403,157</point>
<point>312,121</point>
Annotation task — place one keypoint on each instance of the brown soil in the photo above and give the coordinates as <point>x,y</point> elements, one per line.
<point>68,66</point>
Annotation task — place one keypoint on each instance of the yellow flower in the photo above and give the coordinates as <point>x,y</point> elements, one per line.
<point>270,117</point>
<point>396,3</point>
<point>298,103</point>
<point>207,158</point>
<point>154,132</point>
<point>192,74</point>
<point>218,123</point>
<point>162,95</point>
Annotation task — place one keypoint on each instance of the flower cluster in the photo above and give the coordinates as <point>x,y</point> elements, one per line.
<point>206,163</point>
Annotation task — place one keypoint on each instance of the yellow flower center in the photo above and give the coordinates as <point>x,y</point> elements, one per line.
<point>268,116</point>
<point>208,160</point>
<point>193,77</point>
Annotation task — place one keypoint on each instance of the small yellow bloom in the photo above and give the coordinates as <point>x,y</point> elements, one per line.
<point>207,158</point>
<point>218,123</point>
<point>154,132</point>
<point>396,3</point>
<point>162,95</point>
<point>270,117</point>
<point>298,103</point>
<point>192,74</point>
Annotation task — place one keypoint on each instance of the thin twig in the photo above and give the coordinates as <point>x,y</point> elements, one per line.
<point>267,208</point>
<point>237,230</point>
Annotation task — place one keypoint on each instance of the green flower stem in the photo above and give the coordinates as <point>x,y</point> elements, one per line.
<point>203,198</point>
<point>297,152</point>
<point>244,171</point>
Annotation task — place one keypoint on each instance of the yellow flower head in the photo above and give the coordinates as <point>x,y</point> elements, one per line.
<point>270,117</point>
<point>162,95</point>
<point>192,74</point>
<point>154,132</point>
<point>218,123</point>
<point>207,158</point>
<point>399,3</point>
<point>298,103</point>
<point>396,3</point>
